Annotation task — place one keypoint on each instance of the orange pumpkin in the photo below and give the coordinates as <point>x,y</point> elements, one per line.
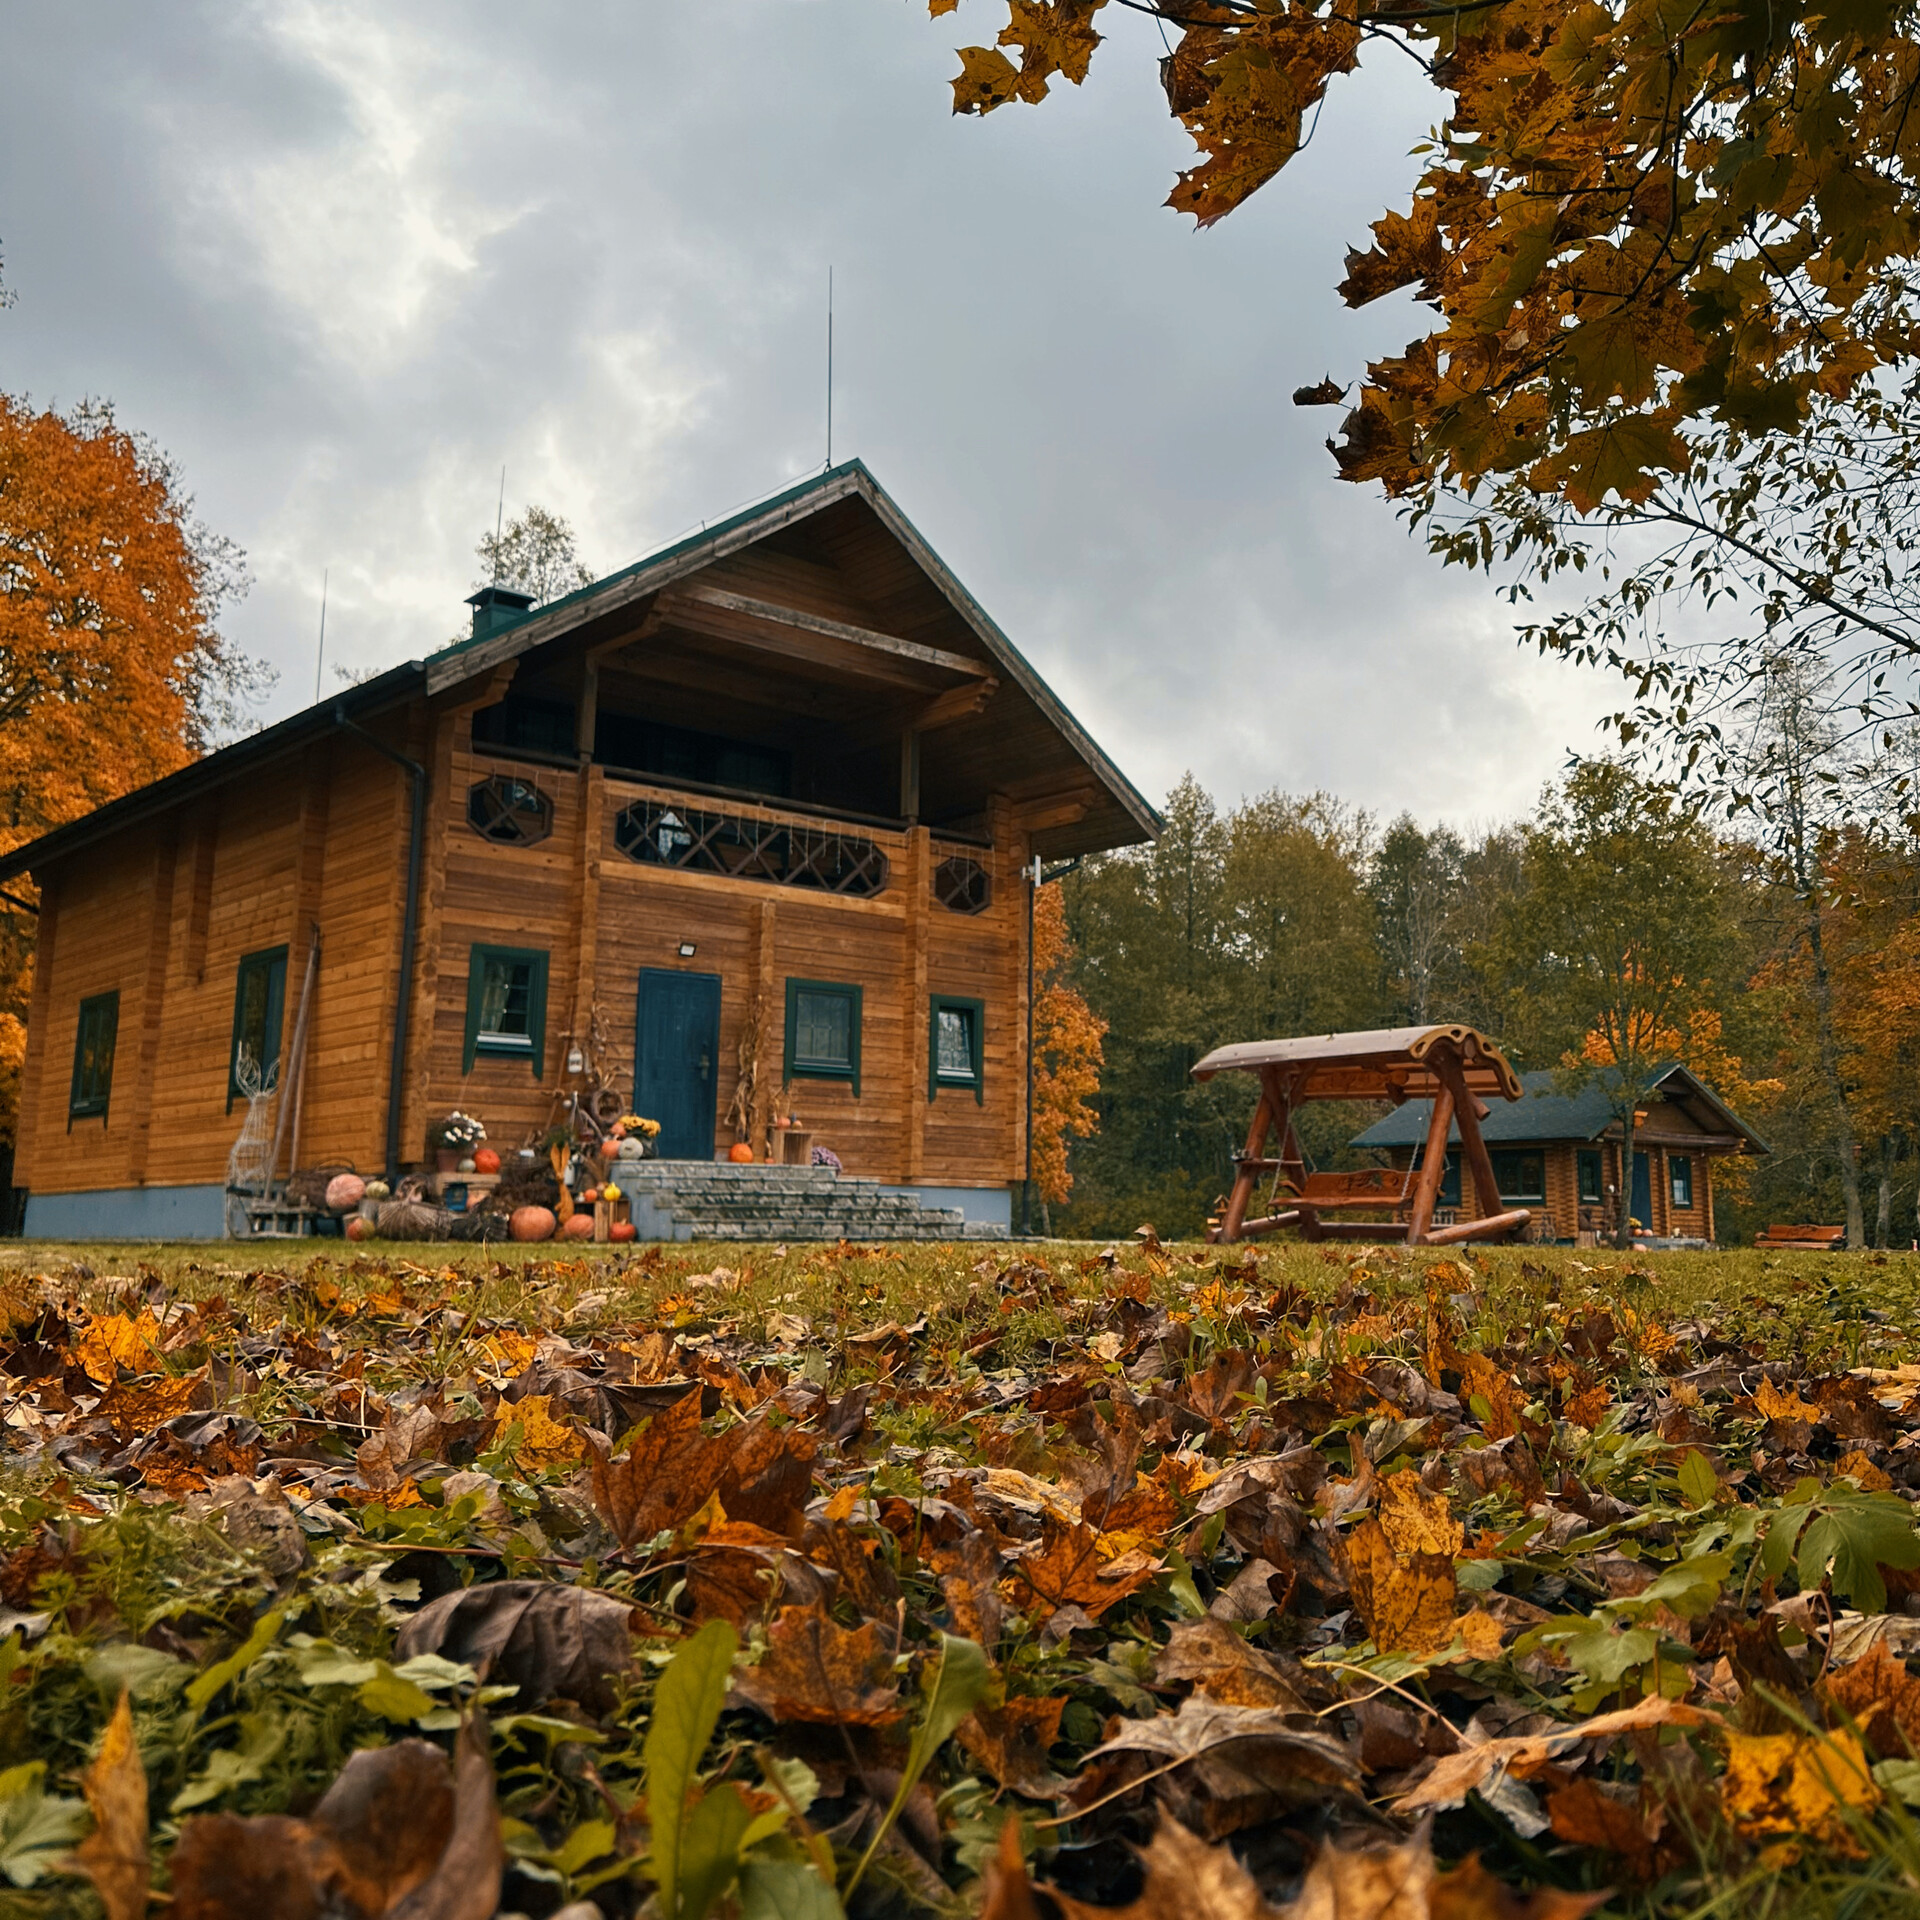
<point>486,1161</point>
<point>623,1230</point>
<point>359,1227</point>
<point>577,1226</point>
<point>740,1152</point>
<point>531,1223</point>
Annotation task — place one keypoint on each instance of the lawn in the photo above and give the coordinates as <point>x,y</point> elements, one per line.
<point>887,1580</point>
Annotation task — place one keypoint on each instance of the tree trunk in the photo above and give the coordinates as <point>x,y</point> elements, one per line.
<point>1883,1221</point>
<point>1623,1226</point>
<point>1829,1050</point>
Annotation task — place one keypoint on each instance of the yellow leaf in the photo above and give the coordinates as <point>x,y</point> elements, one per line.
<point>1416,1521</point>
<point>935,8</point>
<point>1775,1405</point>
<point>545,1441</point>
<point>1406,1601</point>
<point>987,79</point>
<point>1798,1783</point>
<point>1480,1634</point>
<point>113,1341</point>
<point>114,1855</point>
<point>1859,1466</point>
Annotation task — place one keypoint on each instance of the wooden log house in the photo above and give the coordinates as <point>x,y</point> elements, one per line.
<point>1558,1155</point>
<point>783,776</point>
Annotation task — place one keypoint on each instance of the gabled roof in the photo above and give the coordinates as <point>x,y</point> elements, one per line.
<point>514,635</point>
<point>1545,1113</point>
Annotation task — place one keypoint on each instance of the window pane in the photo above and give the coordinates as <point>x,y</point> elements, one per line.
<point>506,999</point>
<point>1521,1176</point>
<point>823,1034</point>
<point>1590,1193</point>
<point>1682,1172</point>
<point>955,1054</point>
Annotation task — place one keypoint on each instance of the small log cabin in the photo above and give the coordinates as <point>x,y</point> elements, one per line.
<point>773,796</point>
<point>1558,1154</point>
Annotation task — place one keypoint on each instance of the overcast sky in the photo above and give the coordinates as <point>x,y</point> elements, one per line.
<point>347,260</point>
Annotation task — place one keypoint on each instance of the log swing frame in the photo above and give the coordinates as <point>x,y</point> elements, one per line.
<point>1455,1067</point>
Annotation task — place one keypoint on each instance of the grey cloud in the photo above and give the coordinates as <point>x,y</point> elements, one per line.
<point>344,260</point>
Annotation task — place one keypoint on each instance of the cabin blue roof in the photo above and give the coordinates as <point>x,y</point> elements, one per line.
<point>1547,1113</point>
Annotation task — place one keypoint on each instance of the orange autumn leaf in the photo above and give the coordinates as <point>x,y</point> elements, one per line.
<point>1415,1520</point>
<point>1880,1697</point>
<point>113,1342</point>
<point>1068,1569</point>
<point>822,1673</point>
<point>114,1855</point>
<point>1775,1405</point>
<point>1067,1051</point>
<point>131,1410</point>
<point>544,1442</point>
<point>1011,1742</point>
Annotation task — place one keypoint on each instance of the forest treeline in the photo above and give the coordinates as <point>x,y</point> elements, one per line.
<point>1616,925</point>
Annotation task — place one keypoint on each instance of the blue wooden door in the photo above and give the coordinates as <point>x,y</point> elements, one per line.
<point>1643,1191</point>
<point>676,1059</point>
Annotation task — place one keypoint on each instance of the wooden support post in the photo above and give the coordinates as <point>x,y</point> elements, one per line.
<point>38,1074</point>
<point>145,1029</point>
<point>435,753</point>
<point>1432,1164</point>
<point>919,899</point>
<point>765,974</point>
<point>1247,1173</point>
<point>1468,1113</point>
<point>910,775</point>
<point>586,921</point>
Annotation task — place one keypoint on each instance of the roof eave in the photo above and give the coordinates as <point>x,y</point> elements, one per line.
<point>229,763</point>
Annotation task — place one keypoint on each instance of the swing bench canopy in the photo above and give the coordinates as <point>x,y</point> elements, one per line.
<point>1455,1067</point>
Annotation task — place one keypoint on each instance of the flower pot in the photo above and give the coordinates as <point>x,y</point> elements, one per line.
<point>446,1159</point>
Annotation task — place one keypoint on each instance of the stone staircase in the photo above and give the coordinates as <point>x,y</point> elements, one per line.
<point>698,1200</point>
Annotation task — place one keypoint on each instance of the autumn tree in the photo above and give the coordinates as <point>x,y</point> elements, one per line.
<point>1067,1054</point>
<point>1618,938</point>
<point>1670,261</point>
<point>1415,883</point>
<point>534,553</point>
<point>112,669</point>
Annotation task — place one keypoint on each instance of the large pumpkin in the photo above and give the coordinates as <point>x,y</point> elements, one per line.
<point>345,1191</point>
<point>740,1151</point>
<point>577,1226</point>
<point>531,1223</point>
<point>486,1161</point>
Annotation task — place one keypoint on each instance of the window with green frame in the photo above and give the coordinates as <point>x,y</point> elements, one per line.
<point>1680,1179</point>
<point>506,1005</point>
<point>93,1040</point>
<point>1592,1180</point>
<point>956,1045</point>
<point>1520,1173</point>
<point>823,1031</point>
<point>259,1012</point>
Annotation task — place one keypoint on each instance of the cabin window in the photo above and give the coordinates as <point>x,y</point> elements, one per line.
<point>507,1005</point>
<point>523,724</point>
<point>513,813</point>
<point>259,1010</point>
<point>1680,1179</point>
<point>1447,1194</point>
<point>93,1057</point>
<point>823,1032</point>
<point>1520,1175</point>
<point>962,885</point>
<point>1592,1182</point>
<point>679,754</point>
<point>956,1044</point>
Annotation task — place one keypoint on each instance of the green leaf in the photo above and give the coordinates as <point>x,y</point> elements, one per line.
<point>1689,1587</point>
<point>261,1738</point>
<point>785,1890</point>
<point>686,1706</point>
<point>587,1843</point>
<point>956,1686</point>
<point>393,1698</point>
<point>144,1672</point>
<point>1606,1657</point>
<point>1698,1481</point>
<point>266,1630</point>
<point>1856,1538</point>
<point>710,1848</point>
<point>37,1830</point>
<point>1901,1778</point>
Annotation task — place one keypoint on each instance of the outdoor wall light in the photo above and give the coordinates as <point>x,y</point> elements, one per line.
<point>686,949</point>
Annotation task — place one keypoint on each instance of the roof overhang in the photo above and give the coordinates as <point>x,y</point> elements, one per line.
<point>1385,1063</point>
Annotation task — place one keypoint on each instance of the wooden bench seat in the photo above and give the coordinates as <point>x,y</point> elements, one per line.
<point>1790,1239</point>
<point>1368,1187</point>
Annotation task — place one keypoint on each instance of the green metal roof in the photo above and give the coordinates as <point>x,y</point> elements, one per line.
<point>1546,1113</point>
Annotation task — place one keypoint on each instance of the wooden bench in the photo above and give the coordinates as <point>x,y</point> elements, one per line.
<point>1786,1239</point>
<point>1368,1187</point>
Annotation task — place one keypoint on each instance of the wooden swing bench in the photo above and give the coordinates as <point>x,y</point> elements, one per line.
<point>1454,1067</point>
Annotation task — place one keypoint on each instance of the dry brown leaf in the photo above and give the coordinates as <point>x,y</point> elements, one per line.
<point>1455,1775</point>
<point>1629,1831</point>
<point>1813,1785</point>
<point>550,1641</point>
<point>1226,1667</point>
<point>1406,1600</point>
<point>1185,1880</point>
<point>134,1410</point>
<point>114,1855</point>
<point>1470,1892</point>
<point>1011,1742</point>
<point>817,1671</point>
<point>1882,1699</point>
<point>1008,1892</point>
<point>1859,1466</point>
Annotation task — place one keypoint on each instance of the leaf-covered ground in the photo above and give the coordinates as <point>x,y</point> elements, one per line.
<point>922,1580</point>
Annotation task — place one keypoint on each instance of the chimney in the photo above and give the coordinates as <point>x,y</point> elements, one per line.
<point>496,607</point>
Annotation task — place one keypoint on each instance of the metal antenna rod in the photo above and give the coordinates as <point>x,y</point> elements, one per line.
<point>829,366</point>
<point>320,658</point>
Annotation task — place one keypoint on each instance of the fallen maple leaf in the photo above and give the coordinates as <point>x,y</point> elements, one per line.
<point>1406,1600</point>
<point>551,1642</point>
<point>1011,1742</point>
<point>1416,1521</point>
<point>114,1855</point>
<point>818,1671</point>
<point>1881,1697</point>
<point>113,1341</point>
<point>544,1441</point>
<point>1813,1785</point>
<point>1068,1569</point>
